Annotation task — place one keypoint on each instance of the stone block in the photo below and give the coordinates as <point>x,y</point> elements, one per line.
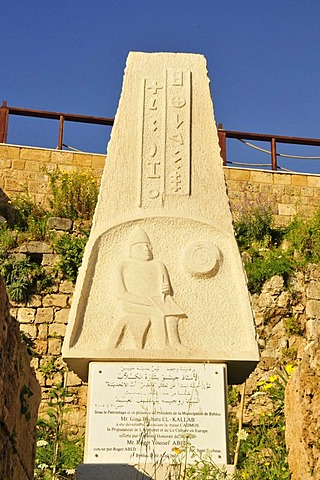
<point>32,166</point>
<point>82,160</point>
<point>66,287</point>
<point>239,174</point>
<point>59,223</point>
<point>24,177</point>
<point>282,179</point>
<point>313,291</point>
<point>35,247</point>
<point>285,209</point>
<point>13,152</point>
<point>261,177</point>
<point>34,301</point>
<point>41,346</point>
<point>307,191</point>
<point>55,300</point>
<point>5,163</point>
<point>61,316</point>
<point>18,164</point>
<point>13,185</point>
<point>98,162</point>
<point>57,330</point>
<point>29,330</point>
<point>73,380</point>
<point>36,187</point>
<point>54,346</point>
<point>44,315</point>
<point>62,158</point>
<point>313,309</point>
<point>300,180</point>
<point>26,315</point>
<point>50,259</point>
<point>313,181</point>
<point>42,331</point>
<point>35,154</point>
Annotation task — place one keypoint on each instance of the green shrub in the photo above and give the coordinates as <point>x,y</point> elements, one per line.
<point>292,326</point>
<point>23,277</point>
<point>58,451</point>
<point>26,215</point>
<point>74,194</point>
<point>266,264</point>
<point>70,248</point>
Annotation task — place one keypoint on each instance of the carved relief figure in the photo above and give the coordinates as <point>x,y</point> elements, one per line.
<point>142,285</point>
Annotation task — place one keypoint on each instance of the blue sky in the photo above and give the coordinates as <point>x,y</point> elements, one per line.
<point>69,55</point>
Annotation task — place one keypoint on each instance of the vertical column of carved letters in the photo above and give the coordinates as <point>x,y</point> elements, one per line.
<point>166,143</point>
<point>153,143</point>
<point>178,124</point>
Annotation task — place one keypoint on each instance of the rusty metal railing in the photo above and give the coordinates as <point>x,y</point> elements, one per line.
<point>261,137</point>
<point>274,140</point>
<point>6,111</point>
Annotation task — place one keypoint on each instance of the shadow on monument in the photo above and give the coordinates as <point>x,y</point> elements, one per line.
<point>92,471</point>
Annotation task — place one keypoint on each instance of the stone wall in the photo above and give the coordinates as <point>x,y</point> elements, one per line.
<point>302,406</point>
<point>23,169</point>
<point>43,319</point>
<point>19,400</point>
<point>289,193</point>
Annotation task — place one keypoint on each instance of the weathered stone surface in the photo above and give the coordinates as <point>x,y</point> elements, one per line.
<point>35,247</point>
<point>20,398</point>
<point>175,201</point>
<point>57,329</point>
<point>56,299</point>
<point>313,309</point>
<point>54,346</point>
<point>66,287</point>
<point>26,315</point>
<point>44,315</point>
<point>302,408</point>
<point>61,316</point>
<point>59,223</point>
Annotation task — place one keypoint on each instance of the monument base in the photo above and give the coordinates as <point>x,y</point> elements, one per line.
<point>91,471</point>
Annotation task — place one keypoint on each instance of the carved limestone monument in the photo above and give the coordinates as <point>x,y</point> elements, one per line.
<point>162,278</point>
<point>161,314</point>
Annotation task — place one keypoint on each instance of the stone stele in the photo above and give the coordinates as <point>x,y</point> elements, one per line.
<point>162,278</point>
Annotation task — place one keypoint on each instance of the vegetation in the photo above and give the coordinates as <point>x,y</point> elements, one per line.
<point>74,194</point>
<point>23,277</point>
<point>70,248</point>
<point>58,451</point>
<point>269,251</point>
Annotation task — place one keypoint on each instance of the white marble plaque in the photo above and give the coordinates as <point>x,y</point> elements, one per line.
<point>143,412</point>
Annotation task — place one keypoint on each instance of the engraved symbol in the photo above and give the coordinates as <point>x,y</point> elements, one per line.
<point>154,193</point>
<point>177,138</point>
<point>154,87</point>
<point>178,102</point>
<point>155,127</point>
<point>153,104</point>
<point>153,150</point>
<point>153,166</point>
<point>175,180</point>
<point>202,258</point>
<point>179,122</point>
<point>177,79</point>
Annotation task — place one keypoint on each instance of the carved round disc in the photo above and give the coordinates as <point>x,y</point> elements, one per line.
<point>201,257</point>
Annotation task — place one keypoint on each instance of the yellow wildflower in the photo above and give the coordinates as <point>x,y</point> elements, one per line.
<point>290,369</point>
<point>176,450</point>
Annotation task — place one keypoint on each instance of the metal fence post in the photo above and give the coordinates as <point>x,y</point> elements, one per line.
<point>4,119</point>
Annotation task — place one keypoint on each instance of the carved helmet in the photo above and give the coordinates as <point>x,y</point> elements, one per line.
<point>138,235</point>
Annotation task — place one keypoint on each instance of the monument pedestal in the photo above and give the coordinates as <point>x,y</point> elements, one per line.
<point>144,418</point>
